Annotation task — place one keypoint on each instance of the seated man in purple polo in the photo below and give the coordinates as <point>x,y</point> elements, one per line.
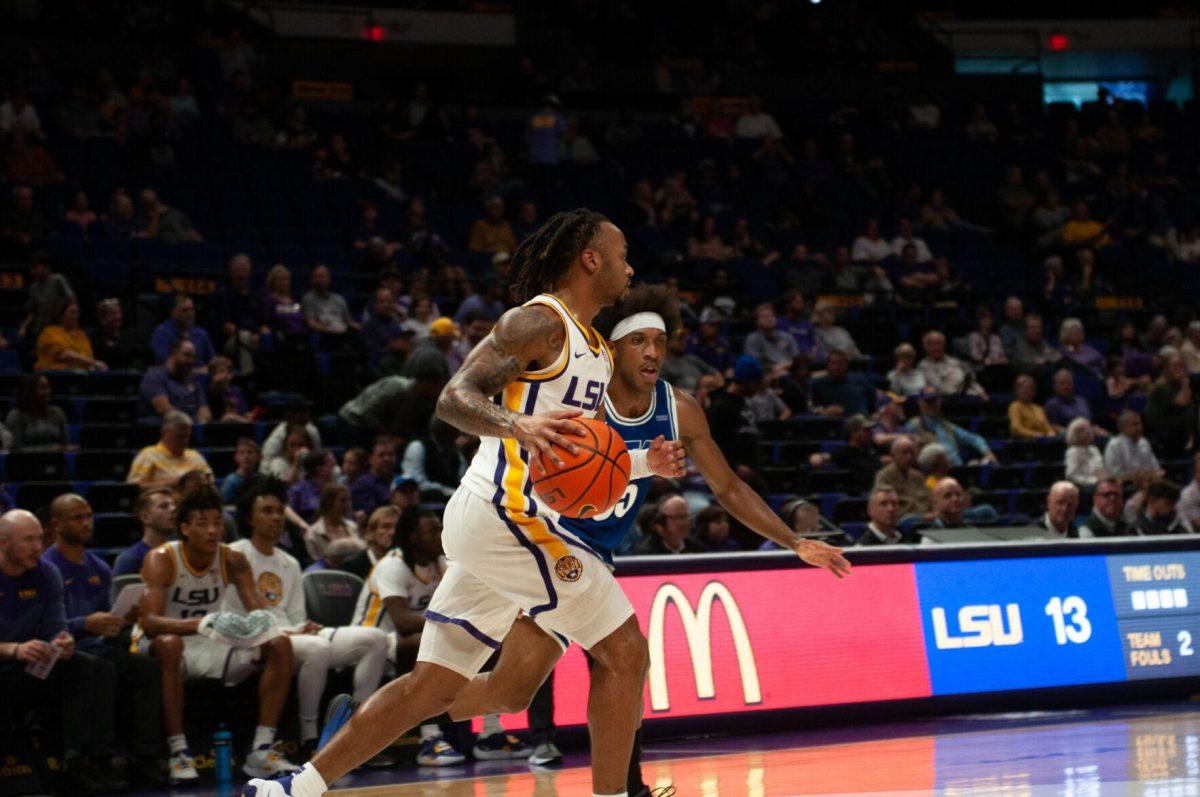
<point>181,326</point>
<point>1065,406</point>
<point>374,488</point>
<point>173,386</point>
<point>709,344</point>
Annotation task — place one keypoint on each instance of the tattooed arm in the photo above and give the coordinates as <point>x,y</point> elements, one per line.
<point>524,336</point>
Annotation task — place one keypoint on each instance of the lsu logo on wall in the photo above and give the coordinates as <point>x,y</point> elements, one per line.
<point>697,628</point>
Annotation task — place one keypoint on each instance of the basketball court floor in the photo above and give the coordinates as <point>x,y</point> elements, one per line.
<point>1151,749</point>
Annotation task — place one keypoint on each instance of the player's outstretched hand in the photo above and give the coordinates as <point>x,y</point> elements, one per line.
<point>538,434</point>
<point>667,458</point>
<point>821,554</point>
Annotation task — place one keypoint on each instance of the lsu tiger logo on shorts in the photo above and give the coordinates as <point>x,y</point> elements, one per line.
<point>568,568</point>
<point>270,586</point>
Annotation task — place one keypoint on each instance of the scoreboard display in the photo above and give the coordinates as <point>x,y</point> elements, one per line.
<point>777,636</point>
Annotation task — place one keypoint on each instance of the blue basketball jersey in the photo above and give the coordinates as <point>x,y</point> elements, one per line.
<point>605,532</point>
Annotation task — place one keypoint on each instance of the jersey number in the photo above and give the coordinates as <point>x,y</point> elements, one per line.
<point>622,506</point>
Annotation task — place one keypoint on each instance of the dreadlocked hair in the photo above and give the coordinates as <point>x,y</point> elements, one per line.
<point>545,256</point>
<point>642,298</point>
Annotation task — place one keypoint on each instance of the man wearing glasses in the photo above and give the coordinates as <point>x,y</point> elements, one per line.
<point>1105,520</point>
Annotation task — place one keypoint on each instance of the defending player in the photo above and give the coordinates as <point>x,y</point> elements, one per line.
<point>642,408</point>
<point>186,580</point>
<point>541,365</point>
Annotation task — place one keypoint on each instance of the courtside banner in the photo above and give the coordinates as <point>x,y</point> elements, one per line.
<point>769,639</point>
<point>733,641</point>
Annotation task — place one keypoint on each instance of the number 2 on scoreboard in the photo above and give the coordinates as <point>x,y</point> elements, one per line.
<point>1070,619</point>
<point>1184,638</point>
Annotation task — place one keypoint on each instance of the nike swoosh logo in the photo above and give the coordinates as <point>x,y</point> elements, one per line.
<point>581,354</point>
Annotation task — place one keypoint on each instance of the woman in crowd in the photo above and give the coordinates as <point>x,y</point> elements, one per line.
<point>333,522</point>
<point>1084,464</point>
<point>33,421</point>
<point>63,345</point>
<point>288,465</point>
<point>304,497</point>
<point>831,336</point>
<point>1026,418</point>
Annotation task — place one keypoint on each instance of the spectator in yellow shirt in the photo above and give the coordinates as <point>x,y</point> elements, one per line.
<point>64,346</point>
<point>493,233</point>
<point>165,462</point>
<point>1026,419</point>
<point>1082,230</point>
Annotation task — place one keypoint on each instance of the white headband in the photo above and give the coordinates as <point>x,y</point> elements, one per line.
<point>637,321</point>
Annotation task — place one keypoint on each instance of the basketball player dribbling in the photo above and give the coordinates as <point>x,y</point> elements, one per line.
<point>515,573</point>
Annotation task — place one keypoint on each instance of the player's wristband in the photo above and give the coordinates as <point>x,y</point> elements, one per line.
<point>638,466</point>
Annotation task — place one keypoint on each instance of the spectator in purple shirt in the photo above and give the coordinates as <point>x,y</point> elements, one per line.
<point>304,497</point>
<point>796,322</point>
<point>181,326</point>
<point>1065,406</point>
<point>709,345</point>
<point>374,487</point>
<point>284,314</point>
<point>173,386</point>
<point>1075,349</point>
<point>543,131</point>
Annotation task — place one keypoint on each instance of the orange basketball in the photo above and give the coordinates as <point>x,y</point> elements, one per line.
<point>590,481</point>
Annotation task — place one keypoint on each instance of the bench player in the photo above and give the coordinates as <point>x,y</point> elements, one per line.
<point>509,556</point>
<point>316,649</point>
<point>187,579</point>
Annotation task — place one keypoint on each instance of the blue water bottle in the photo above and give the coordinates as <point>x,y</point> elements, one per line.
<point>222,755</point>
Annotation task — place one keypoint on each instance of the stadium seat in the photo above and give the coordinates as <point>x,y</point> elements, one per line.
<point>829,480</point>
<point>112,497</point>
<point>103,465</point>
<point>114,383</point>
<point>68,383</point>
<point>1031,502</point>
<point>121,582</point>
<point>128,436</point>
<point>224,435</point>
<point>1006,477</point>
<point>330,596</point>
<point>850,510</point>
<point>35,466</point>
<point>34,495</point>
<point>1044,474</point>
<point>115,530</point>
<point>110,410</point>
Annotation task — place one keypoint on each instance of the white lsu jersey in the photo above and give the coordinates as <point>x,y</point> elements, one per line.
<point>391,577</point>
<point>191,593</point>
<point>577,380</point>
<point>195,593</point>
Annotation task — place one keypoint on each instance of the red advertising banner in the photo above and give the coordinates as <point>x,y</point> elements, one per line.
<point>767,639</point>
